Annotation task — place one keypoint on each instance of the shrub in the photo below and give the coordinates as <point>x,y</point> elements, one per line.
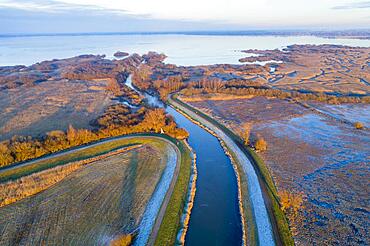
<point>5,155</point>
<point>290,201</point>
<point>261,144</point>
<point>122,240</point>
<point>291,204</point>
<point>358,125</point>
<point>246,133</point>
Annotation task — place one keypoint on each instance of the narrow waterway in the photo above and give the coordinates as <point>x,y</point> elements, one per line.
<point>215,217</point>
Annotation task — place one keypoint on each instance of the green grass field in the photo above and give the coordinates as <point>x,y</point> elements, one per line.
<point>92,205</point>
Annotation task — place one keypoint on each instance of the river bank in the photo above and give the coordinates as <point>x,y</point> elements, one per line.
<point>312,158</point>
<point>158,203</point>
<point>235,167</point>
<point>278,221</point>
<point>216,206</point>
<point>190,199</point>
<point>170,222</point>
<point>216,199</point>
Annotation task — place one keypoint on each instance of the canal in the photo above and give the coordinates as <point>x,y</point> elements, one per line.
<point>215,218</point>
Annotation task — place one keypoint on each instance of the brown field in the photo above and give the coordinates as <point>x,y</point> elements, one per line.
<point>247,110</point>
<point>312,155</point>
<point>333,69</point>
<point>216,97</point>
<point>321,68</point>
<point>348,112</point>
<point>91,206</point>
<point>50,95</point>
<point>51,105</point>
<point>26,186</point>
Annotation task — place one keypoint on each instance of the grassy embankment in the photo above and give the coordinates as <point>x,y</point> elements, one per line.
<point>29,185</point>
<point>171,222</point>
<point>113,191</point>
<point>277,217</point>
<point>16,171</point>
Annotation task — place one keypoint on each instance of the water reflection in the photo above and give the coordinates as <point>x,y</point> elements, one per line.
<point>180,49</point>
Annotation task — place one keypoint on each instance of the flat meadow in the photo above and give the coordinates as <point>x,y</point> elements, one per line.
<point>51,105</point>
<point>93,205</point>
<point>312,156</point>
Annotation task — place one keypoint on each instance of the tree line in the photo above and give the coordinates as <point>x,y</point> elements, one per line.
<point>148,77</point>
<point>118,120</point>
<point>233,89</point>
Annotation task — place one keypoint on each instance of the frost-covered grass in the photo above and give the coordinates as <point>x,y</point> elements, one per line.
<point>171,221</point>
<point>93,205</point>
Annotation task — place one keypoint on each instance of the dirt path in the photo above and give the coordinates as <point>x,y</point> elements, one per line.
<point>167,198</point>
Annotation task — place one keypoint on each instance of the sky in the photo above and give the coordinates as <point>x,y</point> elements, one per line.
<point>68,16</point>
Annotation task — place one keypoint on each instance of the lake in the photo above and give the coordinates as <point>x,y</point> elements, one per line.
<point>180,49</point>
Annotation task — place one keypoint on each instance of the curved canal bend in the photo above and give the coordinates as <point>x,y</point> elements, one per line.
<point>215,218</point>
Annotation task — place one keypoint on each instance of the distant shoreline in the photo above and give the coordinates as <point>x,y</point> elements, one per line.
<point>348,34</point>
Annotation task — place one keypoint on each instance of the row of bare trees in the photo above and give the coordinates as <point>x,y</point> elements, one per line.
<point>110,124</point>
<point>320,97</point>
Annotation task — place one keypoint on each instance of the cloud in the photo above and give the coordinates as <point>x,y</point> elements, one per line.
<point>51,6</point>
<point>166,15</point>
<point>78,20</point>
<point>356,5</point>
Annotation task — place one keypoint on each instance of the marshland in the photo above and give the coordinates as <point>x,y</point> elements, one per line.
<point>93,147</point>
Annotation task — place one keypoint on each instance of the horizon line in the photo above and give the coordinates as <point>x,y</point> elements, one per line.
<point>250,32</point>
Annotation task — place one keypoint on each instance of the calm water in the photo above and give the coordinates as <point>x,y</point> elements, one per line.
<point>181,49</point>
<point>215,218</point>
